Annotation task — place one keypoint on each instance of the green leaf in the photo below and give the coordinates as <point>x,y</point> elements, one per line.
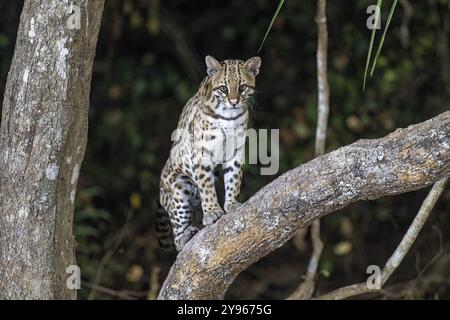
<point>391,13</point>
<point>86,231</point>
<point>280,4</point>
<point>327,267</point>
<point>372,38</point>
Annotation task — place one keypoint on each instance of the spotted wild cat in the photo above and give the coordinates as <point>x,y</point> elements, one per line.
<point>211,131</point>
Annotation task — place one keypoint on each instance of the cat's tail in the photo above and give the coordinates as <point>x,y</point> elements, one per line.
<point>164,228</point>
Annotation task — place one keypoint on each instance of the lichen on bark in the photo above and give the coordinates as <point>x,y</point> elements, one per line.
<point>44,122</point>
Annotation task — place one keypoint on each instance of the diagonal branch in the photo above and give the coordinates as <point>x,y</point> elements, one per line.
<point>405,160</point>
<point>399,253</point>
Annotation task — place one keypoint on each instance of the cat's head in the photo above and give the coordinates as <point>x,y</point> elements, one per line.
<point>232,81</point>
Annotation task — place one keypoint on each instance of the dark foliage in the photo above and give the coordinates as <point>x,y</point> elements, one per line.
<point>150,61</point>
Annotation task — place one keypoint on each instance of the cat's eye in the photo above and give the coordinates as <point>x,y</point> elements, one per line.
<point>224,89</point>
<point>242,88</point>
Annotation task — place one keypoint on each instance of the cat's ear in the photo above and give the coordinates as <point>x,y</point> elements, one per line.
<point>252,65</point>
<point>212,66</point>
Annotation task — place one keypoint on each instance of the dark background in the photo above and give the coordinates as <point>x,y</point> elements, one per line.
<point>150,60</point>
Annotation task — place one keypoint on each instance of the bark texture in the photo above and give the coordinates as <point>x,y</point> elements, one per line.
<point>42,142</point>
<point>405,160</point>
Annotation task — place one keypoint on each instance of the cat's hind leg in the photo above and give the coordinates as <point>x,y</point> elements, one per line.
<point>181,212</point>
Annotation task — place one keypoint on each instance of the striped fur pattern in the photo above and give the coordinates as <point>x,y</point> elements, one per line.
<point>211,132</point>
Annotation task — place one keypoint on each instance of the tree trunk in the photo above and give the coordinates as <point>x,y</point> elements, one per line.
<point>42,142</point>
<point>406,160</point>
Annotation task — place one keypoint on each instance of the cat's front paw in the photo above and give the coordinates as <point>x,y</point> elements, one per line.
<point>184,238</point>
<point>212,216</point>
<point>230,207</point>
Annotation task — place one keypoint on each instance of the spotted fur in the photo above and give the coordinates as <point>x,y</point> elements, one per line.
<point>210,132</point>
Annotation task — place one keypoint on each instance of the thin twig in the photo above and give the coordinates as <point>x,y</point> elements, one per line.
<point>435,258</point>
<point>154,283</point>
<point>399,253</point>
<point>184,48</point>
<point>436,276</point>
<point>123,294</point>
<point>306,289</point>
<point>406,18</point>
<point>109,254</point>
<point>323,93</point>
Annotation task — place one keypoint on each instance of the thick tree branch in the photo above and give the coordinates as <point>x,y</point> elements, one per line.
<point>43,136</point>
<point>405,160</point>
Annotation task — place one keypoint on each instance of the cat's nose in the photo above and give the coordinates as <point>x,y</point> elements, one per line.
<point>234,101</point>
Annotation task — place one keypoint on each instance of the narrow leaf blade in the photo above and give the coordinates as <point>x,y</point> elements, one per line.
<point>280,5</point>
<point>372,38</point>
<point>380,45</point>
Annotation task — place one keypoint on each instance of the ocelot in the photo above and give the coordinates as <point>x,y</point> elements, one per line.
<point>211,132</point>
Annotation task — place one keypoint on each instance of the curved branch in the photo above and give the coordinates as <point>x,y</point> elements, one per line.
<point>405,160</point>
<point>400,252</point>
